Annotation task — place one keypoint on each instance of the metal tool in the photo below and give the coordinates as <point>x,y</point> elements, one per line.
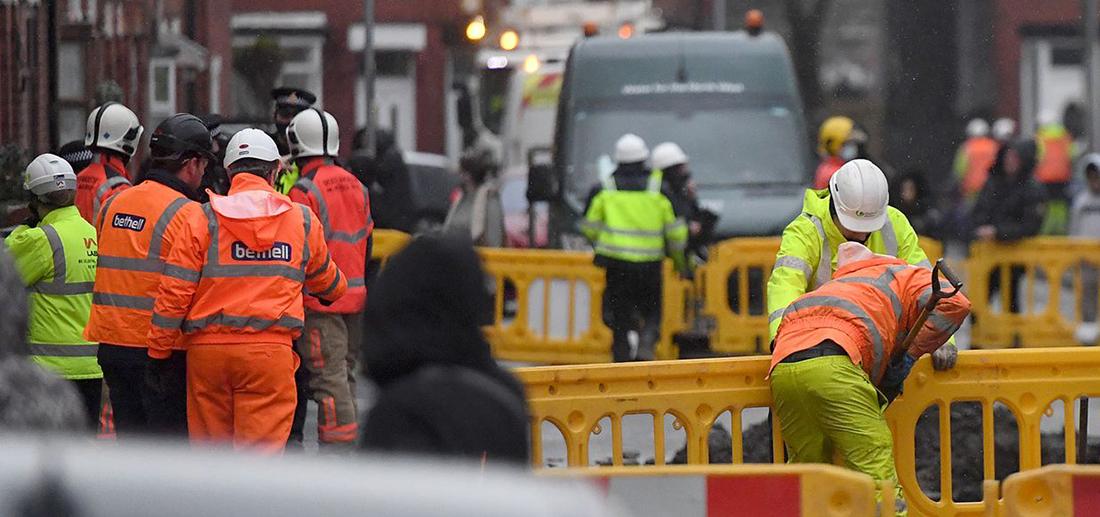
<point>937,294</point>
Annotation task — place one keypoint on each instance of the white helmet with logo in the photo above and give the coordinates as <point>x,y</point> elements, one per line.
<point>860,195</point>
<point>252,144</point>
<point>313,133</point>
<point>49,173</point>
<point>113,126</point>
<point>630,148</point>
<point>668,155</point>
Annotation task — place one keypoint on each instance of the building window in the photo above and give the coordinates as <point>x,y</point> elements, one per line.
<point>301,67</point>
<point>70,91</point>
<point>162,89</point>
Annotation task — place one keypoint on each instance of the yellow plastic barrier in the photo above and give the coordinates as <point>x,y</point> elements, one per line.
<point>387,243</point>
<point>575,400</point>
<point>745,265</point>
<point>1041,322</point>
<point>1053,490</point>
<point>772,490</point>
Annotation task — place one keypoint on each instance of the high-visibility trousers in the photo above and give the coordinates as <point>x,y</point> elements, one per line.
<point>330,357</point>
<point>241,395</point>
<point>826,405</point>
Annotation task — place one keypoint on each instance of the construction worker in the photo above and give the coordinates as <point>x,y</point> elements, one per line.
<point>1054,171</point>
<point>289,102</point>
<point>1004,130</point>
<point>672,161</point>
<point>839,348</point>
<point>113,133</point>
<point>342,204</point>
<point>137,228</point>
<point>853,208</point>
<point>632,227</point>
<point>974,158</point>
<point>232,287</point>
<point>839,141</point>
<point>55,254</point>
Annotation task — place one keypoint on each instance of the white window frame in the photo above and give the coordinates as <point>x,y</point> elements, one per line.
<point>158,108</point>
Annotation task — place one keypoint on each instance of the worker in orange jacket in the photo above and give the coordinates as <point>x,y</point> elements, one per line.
<point>839,345</point>
<point>235,294</point>
<point>974,159</point>
<point>113,133</point>
<point>136,229</point>
<point>343,206</point>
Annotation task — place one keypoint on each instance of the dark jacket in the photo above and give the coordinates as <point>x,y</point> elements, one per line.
<point>922,214</point>
<point>441,392</point>
<point>1014,206</point>
<point>387,178</point>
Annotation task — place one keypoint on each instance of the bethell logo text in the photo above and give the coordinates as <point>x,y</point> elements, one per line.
<point>128,222</point>
<point>280,251</point>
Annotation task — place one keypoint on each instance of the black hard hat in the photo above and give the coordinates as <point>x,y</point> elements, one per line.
<point>76,154</point>
<point>181,135</point>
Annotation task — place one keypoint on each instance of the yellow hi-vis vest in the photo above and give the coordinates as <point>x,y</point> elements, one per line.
<point>807,254</point>
<point>57,262</point>
<point>635,225</point>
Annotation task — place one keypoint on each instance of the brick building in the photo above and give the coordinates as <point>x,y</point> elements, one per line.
<point>56,66</point>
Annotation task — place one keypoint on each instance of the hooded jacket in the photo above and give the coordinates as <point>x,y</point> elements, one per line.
<point>441,391</point>
<point>239,271</point>
<point>1012,205</point>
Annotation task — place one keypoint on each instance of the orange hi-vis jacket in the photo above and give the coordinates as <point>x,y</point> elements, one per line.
<point>105,177</point>
<point>136,229</point>
<point>867,309</point>
<point>978,155</point>
<point>1055,155</point>
<point>343,206</point>
<point>244,264</point>
<point>825,171</point>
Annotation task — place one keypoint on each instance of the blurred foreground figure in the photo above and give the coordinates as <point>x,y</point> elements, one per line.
<point>232,287</point>
<point>31,399</point>
<point>441,391</point>
<point>476,210</point>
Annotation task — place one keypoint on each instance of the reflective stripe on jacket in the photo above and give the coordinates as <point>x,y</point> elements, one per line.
<point>97,182</point>
<point>635,225</point>
<point>342,204</point>
<point>868,310</point>
<point>57,261</point>
<point>136,229</point>
<point>240,269</point>
<point>807,253</point>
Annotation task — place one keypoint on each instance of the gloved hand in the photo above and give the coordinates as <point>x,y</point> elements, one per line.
<point>896,373</point>
<point>160,375</point>
<point>945,357</point>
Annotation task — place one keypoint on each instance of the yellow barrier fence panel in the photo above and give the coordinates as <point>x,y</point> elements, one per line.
<point>1040,287</point>
<point>582,403</point>
<point>736,277</point>
<point>1056,490</point>
<point>756,490</point>
<point>386,243</point>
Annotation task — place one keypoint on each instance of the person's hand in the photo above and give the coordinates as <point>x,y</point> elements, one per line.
<point>945,357</point>
<point>986,232</point>
<point>894,378</point>
<point>157,373</point>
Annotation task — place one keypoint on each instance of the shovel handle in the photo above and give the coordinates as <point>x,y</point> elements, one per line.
<point>938,293</point>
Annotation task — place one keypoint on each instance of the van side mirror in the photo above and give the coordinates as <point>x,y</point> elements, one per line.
<point>541,183</point>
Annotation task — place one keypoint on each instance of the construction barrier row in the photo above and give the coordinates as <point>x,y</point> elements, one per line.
<point>724,491</point>
<point>582,402</point>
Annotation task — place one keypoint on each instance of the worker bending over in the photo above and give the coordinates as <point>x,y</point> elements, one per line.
<point>840,345</point>
<point>235,292</point>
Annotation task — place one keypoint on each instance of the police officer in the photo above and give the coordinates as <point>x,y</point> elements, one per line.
<point>289,102</point>
<point>55,254</point>
<point>327,349</point>
<point>632,226</point>
<point>113,133</point>
<point>137,229</point>
<point>854,208</point>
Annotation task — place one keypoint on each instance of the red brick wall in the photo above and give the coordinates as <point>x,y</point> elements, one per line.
<point>1009,17</point>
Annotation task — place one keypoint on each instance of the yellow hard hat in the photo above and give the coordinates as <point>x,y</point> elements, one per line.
<point>834,132</point>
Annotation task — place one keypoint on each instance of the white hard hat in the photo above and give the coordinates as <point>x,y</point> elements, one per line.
<point>668,154</point>
<point>1004,129</point>
<point>977,127</point>
<point>630,149</point>
<point>113,126</point>
<point>49,173</point>
<point>860,194</point>
<point>252,144</point>
<point>1047,117</point>
<point>313,133</point>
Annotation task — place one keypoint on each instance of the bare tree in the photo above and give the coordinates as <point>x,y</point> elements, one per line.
<point>806,19</point>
